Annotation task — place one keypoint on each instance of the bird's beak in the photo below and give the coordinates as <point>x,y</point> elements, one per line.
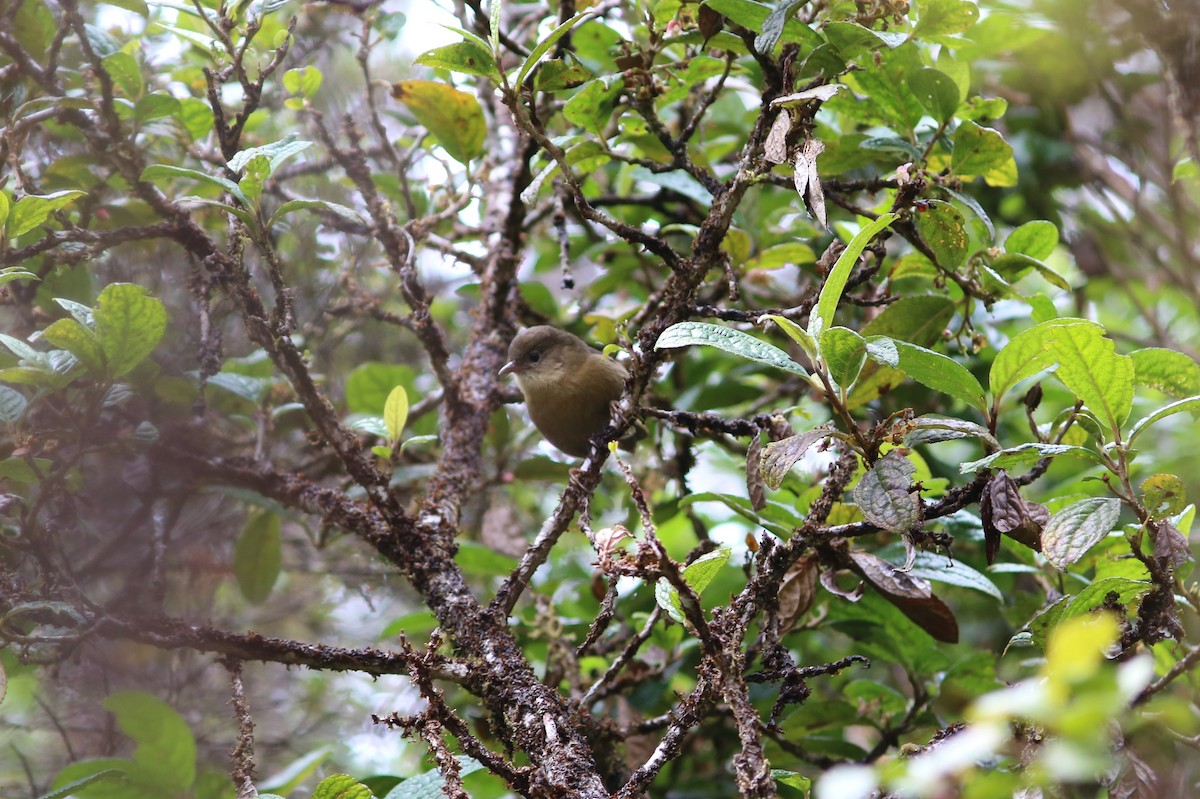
<point>507,369</point>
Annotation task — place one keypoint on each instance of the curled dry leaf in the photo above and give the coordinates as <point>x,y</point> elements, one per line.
<point>808,182</point>
<point>887,579</point>
<point>829,580</point>
<point>609,538</point>
<point>1004,511</point>
<point>1170,545</point>
<point>775,147</point>
<point>796,592</point>
<point>754,480</point>
<point>779,457</point>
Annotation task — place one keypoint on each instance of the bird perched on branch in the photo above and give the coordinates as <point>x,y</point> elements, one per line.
<point>568,386</point>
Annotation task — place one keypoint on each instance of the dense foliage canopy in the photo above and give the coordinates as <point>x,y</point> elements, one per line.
<point>908,295</point>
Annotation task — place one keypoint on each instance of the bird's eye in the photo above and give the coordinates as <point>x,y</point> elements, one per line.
<point>534,357</point>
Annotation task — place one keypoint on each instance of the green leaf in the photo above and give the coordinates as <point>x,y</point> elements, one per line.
<point>931,429</point>
<point>982,151</point>
<point>919,319</point>
<point>587,156</point>
<point>1090,366</point>
<point>942,17</point>
<point>1013,266</point>
<point>753,15</point>
<point>12,405</point>
<point>883,82</point>
<point>80,341</point>
<point>1037,239</point>
<point>275,154</point>
<point>1026,354</point>
<point>1188,404</point>
<point>1164,495</point>
<point>126,74</point>
<point>558,74</point>
<point>791,252</point>
<point>835,281</point>
<point>852,40</point>
<point>775,517</point>
<point>346,213</point>
<point>155,171</point>
<point>844,352</point>
<point>685,334</point>
<point>466,57</point>
<point>1027,453</point>
<point>591,108</point>
<point>792,780</point>
<point>258,556</point>
<point>395,412</point>
<point>166,751</point>
<point>796,333</point>
<point>974,207</point>
<point>943,228</point>
<point>305,81</point>
<point>254,178</point>
<point>952,571</point>
<point>341,786</point>
<point>429,785</point>
<point>370,384</point>
<point>478,560</point>
<point>773,24</point>
<point>196,116</point>
<point>929,368</point>
<point>290,777</point>
<point>1171,372</point>
<point>33,209</point>
<point>75,787</point>
<point>156,105</point>
<point>1119,591</point>
<point>936,91</point>
<point>116,782</point>
<point>697,574</point>
<point>884,496</point>
<point>129,325</point>
<point>453,117</point>
<point>494,26</point>
<point>700,572</point>
<point>1076,528</point>
<point>544,45</point>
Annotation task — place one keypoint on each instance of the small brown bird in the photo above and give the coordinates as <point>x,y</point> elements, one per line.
<point>568,386</point>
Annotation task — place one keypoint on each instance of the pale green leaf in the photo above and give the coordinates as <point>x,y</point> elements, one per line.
<point>429,785</point>
<point>686,334</point>
<point>1171,372</point>
<point>1090,366</point>
<point>1076,528</point>
<point>395,412</point>
<point>929,368</point>
<point>166,750</point>
<point>80,341</point>
<point>1179,406</point>
<point>258,556</point>
<point>33,209</point>
<point>1027,453</point>
<point>835,282</point>
<point>129,325</point>
<point>545,44</point>
<point>844,352</point>
<point>1026,354</point>
<point>467,57</point>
